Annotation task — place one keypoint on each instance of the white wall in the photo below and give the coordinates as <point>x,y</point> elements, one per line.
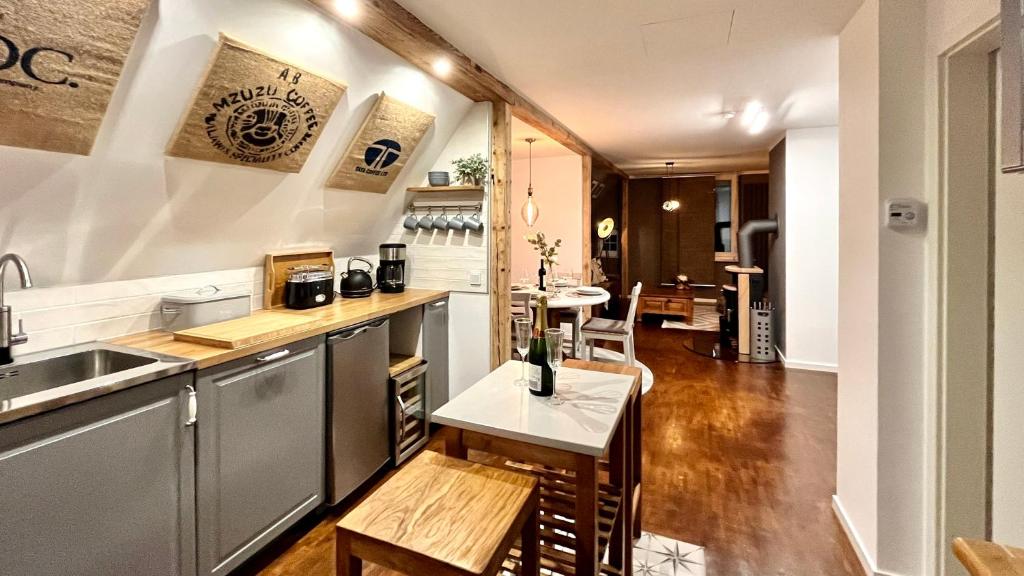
<point>857,410</point>
<point>895,385</point>
<point>449,259</point>
<point>128,211</point>
<point>812,248</point>
<point>1008,363</point>
<point>557,188</point>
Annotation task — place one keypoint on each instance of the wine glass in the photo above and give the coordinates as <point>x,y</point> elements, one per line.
<point>523,333</point>
<point>555,338</point>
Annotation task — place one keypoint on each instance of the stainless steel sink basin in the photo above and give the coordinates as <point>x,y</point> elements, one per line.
<point>46,380</point>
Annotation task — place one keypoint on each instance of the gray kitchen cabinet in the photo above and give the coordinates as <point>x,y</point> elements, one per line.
<point>435,352</point>
<point>104,488</point>
<point>260,450</point>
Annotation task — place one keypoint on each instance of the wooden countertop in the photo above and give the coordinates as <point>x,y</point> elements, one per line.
<point>342,313</point>
<point>983,558</point>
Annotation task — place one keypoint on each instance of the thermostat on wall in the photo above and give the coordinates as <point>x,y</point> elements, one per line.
<point>906,214</point>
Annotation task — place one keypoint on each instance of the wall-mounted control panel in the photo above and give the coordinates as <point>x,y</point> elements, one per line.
<point>907,214</point>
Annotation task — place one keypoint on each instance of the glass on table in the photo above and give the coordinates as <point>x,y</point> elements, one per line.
<point>523,333</point>
<point>555,338</point>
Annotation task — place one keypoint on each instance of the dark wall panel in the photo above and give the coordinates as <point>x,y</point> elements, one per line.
<point>665,244</point>
<point>754,205</point>
<point>694,226</point>
<point>777,243</point>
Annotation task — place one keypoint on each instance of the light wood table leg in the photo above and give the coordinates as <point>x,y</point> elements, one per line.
<point>587,562</point>
<point>347,564</point>
<point>636,423</point>
<point>620,545</point>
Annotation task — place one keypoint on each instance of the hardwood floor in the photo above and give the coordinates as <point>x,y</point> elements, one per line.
<point>737,458</point>
<point>740,459</point>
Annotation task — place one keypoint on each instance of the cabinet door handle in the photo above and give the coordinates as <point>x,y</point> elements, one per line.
<point>275,356</point>
<point>193,406</point>
<point>441,304</point>
<point>349,335</point>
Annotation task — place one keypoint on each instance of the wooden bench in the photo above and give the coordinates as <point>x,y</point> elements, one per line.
<point>445,517</point>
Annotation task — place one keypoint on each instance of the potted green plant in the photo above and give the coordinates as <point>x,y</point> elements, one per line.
<point>471,170</point>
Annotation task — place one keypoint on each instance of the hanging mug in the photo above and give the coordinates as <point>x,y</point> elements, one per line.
<point>441,222</point>
<point>411,221</point>
<point>457,223</point>
<point>474,224</point>
<point>427,221</point>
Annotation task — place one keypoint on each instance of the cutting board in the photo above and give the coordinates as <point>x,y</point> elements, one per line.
<point>242,332</point>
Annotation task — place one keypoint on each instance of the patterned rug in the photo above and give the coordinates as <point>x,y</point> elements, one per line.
<point>655,555</point>
<point>705,319</point>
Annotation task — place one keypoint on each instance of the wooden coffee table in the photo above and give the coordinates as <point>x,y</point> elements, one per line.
<point>667,302</point>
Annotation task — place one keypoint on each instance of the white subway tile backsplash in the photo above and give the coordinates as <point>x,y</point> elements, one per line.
<point>62,316</point>
<point>45,340</point>
<point>65,315</point>
<point>116,327</point>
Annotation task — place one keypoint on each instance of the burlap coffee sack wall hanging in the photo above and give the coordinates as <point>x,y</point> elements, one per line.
<point>60,61</point>
<point>381,148</point>
<point>255,110</point>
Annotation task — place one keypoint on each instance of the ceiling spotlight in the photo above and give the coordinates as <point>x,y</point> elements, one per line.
<point>750,113</point>
<point>349,9</point>
<point>442,66</point>
<point>727,114</point>
<point>759,123</point>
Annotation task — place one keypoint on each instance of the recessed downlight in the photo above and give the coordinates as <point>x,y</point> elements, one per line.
<point>760,122</point>
<point>442,66</point>
<point>349,9</point>
<point>750,113</point>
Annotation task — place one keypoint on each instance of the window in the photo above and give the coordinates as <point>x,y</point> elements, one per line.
<point>723,216</point>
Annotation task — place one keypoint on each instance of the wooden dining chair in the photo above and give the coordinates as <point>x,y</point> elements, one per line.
<point>521,306</point>
<point>614,330</point>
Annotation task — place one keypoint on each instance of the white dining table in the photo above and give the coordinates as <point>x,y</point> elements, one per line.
<point>566,297</point>
<point>599,417</point>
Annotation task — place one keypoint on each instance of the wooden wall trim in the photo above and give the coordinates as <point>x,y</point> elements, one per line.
<point>588,226</point>
<point>501,234</point>
<point>389,24</point>
<point>626,284</point>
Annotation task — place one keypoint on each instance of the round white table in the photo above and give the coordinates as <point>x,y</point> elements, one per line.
<point>567,297</point>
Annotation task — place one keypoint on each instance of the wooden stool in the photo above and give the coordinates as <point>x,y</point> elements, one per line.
<point>442,516</point>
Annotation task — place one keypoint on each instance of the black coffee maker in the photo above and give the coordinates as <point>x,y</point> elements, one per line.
<point>391,271</point>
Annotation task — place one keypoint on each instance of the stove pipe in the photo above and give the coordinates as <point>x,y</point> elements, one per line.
<point>747,232</point>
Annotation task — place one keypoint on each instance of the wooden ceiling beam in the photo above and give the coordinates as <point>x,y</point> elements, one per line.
<point>389,24</point>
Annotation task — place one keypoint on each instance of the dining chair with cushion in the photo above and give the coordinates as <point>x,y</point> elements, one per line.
<point>614,330</point>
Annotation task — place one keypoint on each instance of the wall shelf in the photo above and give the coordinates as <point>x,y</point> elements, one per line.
<point>447,189</point>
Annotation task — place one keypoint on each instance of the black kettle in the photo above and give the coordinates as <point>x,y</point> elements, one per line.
<point>356,283</point>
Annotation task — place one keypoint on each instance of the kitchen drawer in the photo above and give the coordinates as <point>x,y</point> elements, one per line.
<point>677,307</point>
<point>653,304</point>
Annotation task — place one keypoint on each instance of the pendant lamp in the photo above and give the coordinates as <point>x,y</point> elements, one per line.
<point>530,211</point>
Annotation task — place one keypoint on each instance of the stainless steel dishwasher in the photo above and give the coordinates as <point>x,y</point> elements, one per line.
<point>357,427</point>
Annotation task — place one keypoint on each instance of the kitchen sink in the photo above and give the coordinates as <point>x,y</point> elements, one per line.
<point>38,382</point>
<point>63,370</point>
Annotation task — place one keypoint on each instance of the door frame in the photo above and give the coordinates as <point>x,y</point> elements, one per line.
<point>962,451</point>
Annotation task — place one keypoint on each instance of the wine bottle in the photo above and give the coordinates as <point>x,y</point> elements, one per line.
<point>541,379</point>
<point>540,274</point>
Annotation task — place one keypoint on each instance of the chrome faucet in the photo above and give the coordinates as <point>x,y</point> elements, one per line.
<point>7,337</point>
